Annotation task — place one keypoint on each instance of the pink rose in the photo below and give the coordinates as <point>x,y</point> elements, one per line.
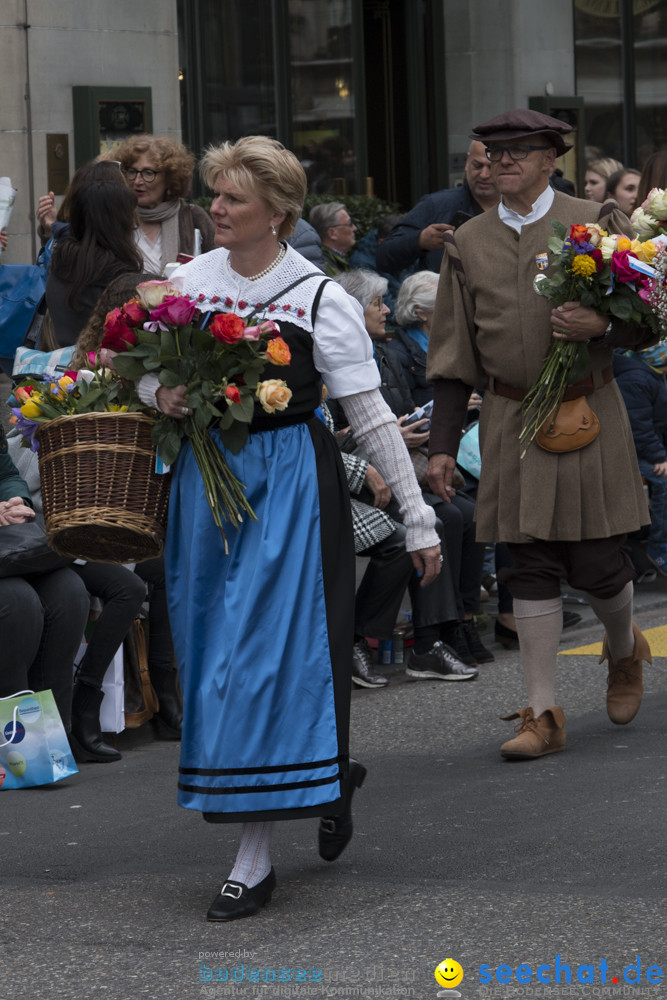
<point>621,268</point>
<point>175,309</point>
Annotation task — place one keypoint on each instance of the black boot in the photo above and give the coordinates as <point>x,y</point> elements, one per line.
<point>86,737</point>
<point>335,832</point>
<point>169,717</point>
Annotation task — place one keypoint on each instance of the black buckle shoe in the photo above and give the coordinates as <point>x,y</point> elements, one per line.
<point>236,900</point>
<point>335,832</point>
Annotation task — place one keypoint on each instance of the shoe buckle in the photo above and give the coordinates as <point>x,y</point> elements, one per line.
<point>328,825</point>
<point>232,889</point>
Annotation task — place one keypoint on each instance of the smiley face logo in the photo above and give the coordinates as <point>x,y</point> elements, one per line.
<point>448,974</point>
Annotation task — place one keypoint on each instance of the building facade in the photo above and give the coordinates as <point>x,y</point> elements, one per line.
<point>374,96</point>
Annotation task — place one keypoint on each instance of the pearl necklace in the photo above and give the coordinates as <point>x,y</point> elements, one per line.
<point>274,263</point>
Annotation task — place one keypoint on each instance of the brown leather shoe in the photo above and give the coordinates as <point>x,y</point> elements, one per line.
<point>625,685</point>
<point>535,736</point>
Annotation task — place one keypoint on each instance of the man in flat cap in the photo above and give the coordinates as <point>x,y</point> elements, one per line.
<point>562,515</point>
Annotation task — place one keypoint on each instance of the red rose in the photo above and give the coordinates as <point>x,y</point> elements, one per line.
<point>579,234</point>
<point>117,334</point>
<point>233,394</point>
<point>227,327</point>
<point>597,257</point>
<point>134,312</point>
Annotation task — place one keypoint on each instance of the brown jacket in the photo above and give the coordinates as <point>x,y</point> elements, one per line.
<point>489,321</point>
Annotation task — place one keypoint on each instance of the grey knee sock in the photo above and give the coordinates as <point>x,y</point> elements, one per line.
<point>615,613</point>
<point>539,625</point>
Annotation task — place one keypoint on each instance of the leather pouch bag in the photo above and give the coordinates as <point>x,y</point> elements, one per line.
<point>574,427</point>
<point>24,550</point>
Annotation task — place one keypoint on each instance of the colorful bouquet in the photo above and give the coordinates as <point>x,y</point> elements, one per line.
<point>597,270</point>
<point>219,358</point>
<point>97,391</point>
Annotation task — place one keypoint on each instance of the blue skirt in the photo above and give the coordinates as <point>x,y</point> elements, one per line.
<point>263,635</point>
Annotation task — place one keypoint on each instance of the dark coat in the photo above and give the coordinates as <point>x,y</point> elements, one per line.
<point>412,359</point>
<point>644,392</point>
<point>400,248</point>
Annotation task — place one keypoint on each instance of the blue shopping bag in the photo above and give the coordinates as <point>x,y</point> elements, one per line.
<point>22,289</point>
<point>34,749</point>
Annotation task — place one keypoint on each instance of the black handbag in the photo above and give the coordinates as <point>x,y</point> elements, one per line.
<point>24,550</point>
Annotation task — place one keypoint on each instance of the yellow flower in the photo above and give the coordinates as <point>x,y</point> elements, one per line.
<point>646,251</point>
<point>623,243</point>
<point>273,394</point>
<point>31,410</point>
<point>115,408</point>
<point>584,266</point>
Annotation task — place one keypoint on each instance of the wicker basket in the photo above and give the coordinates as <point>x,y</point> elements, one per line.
<point>103,500</point>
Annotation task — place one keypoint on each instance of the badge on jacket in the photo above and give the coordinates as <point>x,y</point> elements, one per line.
<point>542,261</point>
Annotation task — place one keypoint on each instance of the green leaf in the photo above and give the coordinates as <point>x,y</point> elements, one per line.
<point>170,378</point>
<point>555,245</point>
<point>202,340</point>
<point>169,446</point>
<point>560,229</point>
<point>621,308</point>
<point>129,367</point>
<point>235,436</point>
<point>167,342</point>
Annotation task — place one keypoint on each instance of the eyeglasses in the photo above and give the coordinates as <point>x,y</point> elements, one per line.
<point>147,175</point>
<point>378,302</point>
<point>344,225</point>
<point>495,153</point>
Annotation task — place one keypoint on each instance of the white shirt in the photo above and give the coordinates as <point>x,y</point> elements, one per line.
<point>538,211</point>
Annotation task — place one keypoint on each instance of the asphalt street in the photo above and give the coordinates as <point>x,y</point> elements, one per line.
<point>555,865</point>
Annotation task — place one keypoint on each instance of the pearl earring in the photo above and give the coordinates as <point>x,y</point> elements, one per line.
<point>273,230</point>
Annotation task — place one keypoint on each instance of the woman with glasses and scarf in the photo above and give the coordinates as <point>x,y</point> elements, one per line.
<point>159,171</point>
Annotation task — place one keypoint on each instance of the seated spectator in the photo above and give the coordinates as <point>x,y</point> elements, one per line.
<point>122,593</point>
<point>388,573</point>
<point>641,378</point>
<point>42,616</point>
<point>365,255</point>
<point>307,242</point>
<point>464,558</point>
<point>97,247</point>
<point>332,223</point>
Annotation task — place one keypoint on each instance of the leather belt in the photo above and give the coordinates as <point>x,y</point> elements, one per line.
<point>574,391</point>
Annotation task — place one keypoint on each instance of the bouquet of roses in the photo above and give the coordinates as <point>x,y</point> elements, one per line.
<point>650,219</point>
<point>97,391</point>
<point>595,269</point>
<point>219,358</point>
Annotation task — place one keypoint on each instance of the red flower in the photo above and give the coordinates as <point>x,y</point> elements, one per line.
<point>579,234</point>
<point>228,301</point>
<point>242,304</point>
<point>215,298</point>
<point>272,307</point>
<point>233,394</point>
<point>134,312</point>
<point>227,327</point>
<point>301,312</point>
<point>597,257</point>
<point>117,334</point>
<point>286,308</point>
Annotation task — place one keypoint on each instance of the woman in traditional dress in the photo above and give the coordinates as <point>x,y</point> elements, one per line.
<point>263,635</point>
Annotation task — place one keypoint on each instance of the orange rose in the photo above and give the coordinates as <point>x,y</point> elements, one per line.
<point>273,394</point>
<point>278,352</point>
<point>227,327</point>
